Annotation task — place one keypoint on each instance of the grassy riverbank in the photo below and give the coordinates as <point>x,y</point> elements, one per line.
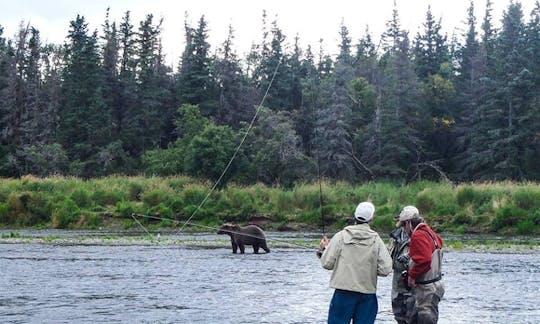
<point>57,202</point>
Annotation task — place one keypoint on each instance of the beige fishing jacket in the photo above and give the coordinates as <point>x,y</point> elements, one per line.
<point>357,255</point>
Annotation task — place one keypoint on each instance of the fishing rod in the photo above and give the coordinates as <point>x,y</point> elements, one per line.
<point>321,202</point>
<point>320,251</point>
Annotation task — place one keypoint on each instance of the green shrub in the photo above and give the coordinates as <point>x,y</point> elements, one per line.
<point>155,197</point>
<point>307,197</point>
<point>534,217</point>
<point>18,203</point>
<point>386,222</point>
<point>38,185</point>
<point>285,201</point>
<point>484,209</point>
<point>82,198</point>
<point>39,209</point>
<point>235,202</point>
<point>4,213</point>
<point>135,191</point>
<point>388,210</point>
<point>425,201</point>
<point>312,217</point>
<point>459,230</point>
<point>462,218</point>
<point>480,220</point>
<point>193,195</point>
<point>508,216</point>
<point>107,197</point>
<point>161,211</point>
<point>89,220</point>
<point>178,183</point>
<point>124,209</point>
<point>176,204</point>
<point>94,220</point>
<point>468,195</point>
<point>526,227</point>
<point>27,208</point>
<point>280,218</point>
<point>65,213</point>
<point>527,198</point>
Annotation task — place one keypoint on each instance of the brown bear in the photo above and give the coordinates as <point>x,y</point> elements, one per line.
<point>247,235</point>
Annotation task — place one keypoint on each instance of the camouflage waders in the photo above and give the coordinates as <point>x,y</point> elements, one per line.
<point>428,297</point>
<point>403,301</point>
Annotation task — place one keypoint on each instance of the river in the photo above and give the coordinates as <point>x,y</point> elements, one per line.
<point>155,283</point>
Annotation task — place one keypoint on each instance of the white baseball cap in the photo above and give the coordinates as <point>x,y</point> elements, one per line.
<point>364,211</point>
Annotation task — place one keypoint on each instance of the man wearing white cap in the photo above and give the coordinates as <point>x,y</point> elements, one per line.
<point>357,255</point>
<point>425,272</point>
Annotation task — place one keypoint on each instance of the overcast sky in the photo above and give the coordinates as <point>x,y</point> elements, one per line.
<point>310,19</point>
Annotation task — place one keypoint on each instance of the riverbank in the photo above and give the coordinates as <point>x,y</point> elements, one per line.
<point>156,203</point>
<point>308,241</point>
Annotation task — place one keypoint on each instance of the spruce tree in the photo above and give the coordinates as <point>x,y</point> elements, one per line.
<point>393,148</point>
<point>84,119</point>
<point>430,49</point>
<point>112,90</point>
<point>473,158</point>
<point>532,115</point>
<point>510,97</point>
<point>237,99</point>
<point>124,114</point>
<point>305,116</point>
<point>195,78</point>
<point>333,129</point>
<point>273,68</point>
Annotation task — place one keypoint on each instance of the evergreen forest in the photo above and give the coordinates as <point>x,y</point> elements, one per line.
<point>393,107</point>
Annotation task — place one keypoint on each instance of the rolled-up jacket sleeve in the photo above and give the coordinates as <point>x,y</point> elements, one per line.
<point>331,253</point>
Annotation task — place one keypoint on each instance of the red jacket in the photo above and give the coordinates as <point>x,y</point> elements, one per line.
<point>421,248</point>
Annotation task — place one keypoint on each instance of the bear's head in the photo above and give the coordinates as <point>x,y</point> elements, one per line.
<point>228,229</point>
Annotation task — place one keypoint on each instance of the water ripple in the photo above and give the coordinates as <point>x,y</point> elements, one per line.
<point>171,284</point>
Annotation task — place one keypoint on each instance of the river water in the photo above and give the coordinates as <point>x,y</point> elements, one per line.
<point>87,283</point>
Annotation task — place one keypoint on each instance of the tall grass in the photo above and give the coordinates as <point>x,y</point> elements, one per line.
<point>67,202</point>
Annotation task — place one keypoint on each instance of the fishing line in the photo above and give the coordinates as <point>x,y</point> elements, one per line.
<point>236,151</point>
<point>141,225</point>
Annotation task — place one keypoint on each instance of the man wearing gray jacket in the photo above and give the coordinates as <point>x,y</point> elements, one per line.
<point>357,255</point>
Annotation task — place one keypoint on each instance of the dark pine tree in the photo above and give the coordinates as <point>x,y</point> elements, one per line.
<point>196,85</point>
<point>84,125</point>
<point>333,139</point>
<point>237,99</point>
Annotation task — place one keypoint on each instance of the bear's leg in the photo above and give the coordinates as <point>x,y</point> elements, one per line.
<point>234,247</point>
<point>242,248</point>
<point>255,248</point>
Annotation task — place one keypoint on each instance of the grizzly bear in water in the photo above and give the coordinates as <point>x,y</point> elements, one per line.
<point>247,235</point>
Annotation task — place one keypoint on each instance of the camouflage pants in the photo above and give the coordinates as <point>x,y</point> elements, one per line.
<point>404,308</point>
<point>427,302</point>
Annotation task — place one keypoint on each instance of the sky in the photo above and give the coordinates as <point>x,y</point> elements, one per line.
<point>311,20</point>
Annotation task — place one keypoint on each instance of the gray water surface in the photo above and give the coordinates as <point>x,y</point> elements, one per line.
<point>45,283</point>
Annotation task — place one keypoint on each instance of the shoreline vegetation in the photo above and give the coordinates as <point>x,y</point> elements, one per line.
<point>159,203</point>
